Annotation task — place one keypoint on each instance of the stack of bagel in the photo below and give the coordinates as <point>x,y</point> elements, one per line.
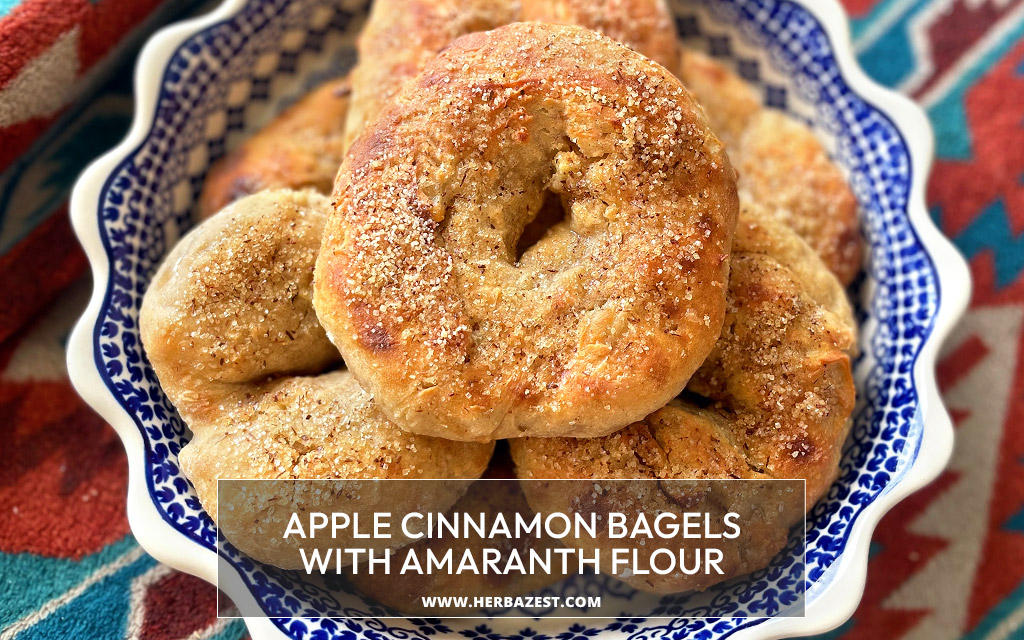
<point>537,223</point>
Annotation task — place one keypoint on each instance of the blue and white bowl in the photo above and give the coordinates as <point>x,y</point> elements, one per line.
<point>201,85</point>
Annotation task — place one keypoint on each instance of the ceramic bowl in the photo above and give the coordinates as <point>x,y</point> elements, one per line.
<point>202,84</point>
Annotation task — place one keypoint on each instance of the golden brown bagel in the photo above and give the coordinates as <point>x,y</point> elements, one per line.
<point>401,36</point>
<point>301,148</point>
<point>761,232</point>
<point>781,164</point>
<point>645,26</point>
<point>600,322</point>
<point>729,102</point>
<point>777,398</point>
<point>399,39</point>
<point>229,328</point>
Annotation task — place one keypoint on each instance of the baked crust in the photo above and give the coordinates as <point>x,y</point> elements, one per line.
<point>232,303</point>
<point>420,282</point>
<point>402,36</point>
<point>645,26</point>
<point>398,40</point>
<point>229,328</point>
<point>777,395</point>
<point>729,102</point>
<point>781,164</point>
<point>301,148</point>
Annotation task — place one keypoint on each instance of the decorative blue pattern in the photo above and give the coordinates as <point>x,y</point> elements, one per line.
<point>223,79</point>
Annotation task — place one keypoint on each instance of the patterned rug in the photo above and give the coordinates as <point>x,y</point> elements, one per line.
<point>947,563</point>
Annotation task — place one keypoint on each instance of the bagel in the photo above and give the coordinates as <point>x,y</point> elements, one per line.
<point>228,326</point>
<point>301,148</point>
<point>645,26</point>
<point>402,36</point>
<point>460,332</point>
<point>773,400</point>
<point>781,164</point>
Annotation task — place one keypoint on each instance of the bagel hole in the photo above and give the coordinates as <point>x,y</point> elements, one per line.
<point>551,213</point>
<point>338,365</point>
<point>696,399</point>
<point>501,465</point>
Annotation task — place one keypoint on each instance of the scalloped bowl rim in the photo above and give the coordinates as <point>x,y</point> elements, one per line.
<point>825,611</point>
